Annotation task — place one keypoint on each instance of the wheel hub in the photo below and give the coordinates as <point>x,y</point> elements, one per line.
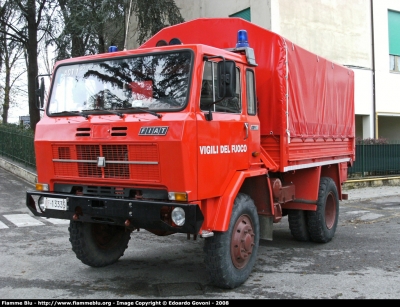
<point>330,211</point>
<point>242,242</point>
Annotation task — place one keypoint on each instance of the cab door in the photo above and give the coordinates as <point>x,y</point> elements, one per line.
<point>253,121</point>
<point>225,141</point>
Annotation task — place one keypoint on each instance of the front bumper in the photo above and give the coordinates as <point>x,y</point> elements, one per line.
<point>146,214</point>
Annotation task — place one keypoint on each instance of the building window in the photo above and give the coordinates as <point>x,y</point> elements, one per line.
<point>245,14</point>
<point>394,40</point>
<point>394,62</point>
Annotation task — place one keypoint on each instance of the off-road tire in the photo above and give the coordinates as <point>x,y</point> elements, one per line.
<point>322,223</point>
<point>96,244</point>
<point>298,225</point>
<point>230,256</point>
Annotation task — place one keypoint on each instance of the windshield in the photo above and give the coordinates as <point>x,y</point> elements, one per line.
<point>155,82</point>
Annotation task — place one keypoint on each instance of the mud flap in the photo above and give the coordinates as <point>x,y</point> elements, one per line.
<point>266,227</point>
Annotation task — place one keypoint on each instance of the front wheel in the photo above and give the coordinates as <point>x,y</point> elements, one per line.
<point>230,255</point>
<point>322,223</point>
<point>96,244</point>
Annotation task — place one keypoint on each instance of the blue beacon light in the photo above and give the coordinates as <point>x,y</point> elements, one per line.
<point>242,39</point>
<point>112,49</point>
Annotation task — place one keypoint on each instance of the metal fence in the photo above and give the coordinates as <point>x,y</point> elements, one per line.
<point>376,160</point>
<point>16,143</point>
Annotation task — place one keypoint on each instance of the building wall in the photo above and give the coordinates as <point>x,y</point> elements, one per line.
<point>260,10</point>
<point>339,30</point>
<point>192,9</point>
<point>387,83</point>
<point>363,97</point>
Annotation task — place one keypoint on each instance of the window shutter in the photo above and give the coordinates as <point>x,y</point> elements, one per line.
<point>394,32</point>
<point>245,14</point>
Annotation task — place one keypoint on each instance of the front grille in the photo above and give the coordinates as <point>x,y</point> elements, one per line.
<point>144,153</point>
<point>88,153</point>
<point>136,161</point>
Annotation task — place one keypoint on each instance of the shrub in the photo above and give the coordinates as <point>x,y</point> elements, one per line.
<point>371,141</point>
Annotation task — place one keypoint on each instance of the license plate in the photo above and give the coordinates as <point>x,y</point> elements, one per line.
<point>56,203</point>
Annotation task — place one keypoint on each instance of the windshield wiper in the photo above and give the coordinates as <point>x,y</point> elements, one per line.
<point>105,111</point>
<point>72,113</point>
<point>145,110</point>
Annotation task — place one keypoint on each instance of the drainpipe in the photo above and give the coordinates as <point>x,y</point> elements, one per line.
<point>373,69</point>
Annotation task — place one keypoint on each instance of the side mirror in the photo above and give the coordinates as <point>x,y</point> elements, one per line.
<point>40,92</point>
<point>226,79</point>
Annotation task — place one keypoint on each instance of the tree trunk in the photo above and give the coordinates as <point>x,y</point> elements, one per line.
<point>76,46</point>
<point>32,46</point>
<point>6,104</point>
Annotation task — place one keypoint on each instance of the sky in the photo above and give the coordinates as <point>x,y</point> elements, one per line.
<point>20,96</point>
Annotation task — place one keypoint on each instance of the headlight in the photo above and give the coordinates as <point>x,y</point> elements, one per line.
<point>178,216</point>
<point>41,203</point>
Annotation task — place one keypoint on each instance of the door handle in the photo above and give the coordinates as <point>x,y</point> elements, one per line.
<point>246,126</point>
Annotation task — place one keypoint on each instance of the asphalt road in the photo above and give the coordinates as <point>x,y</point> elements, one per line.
<point>361,262</point>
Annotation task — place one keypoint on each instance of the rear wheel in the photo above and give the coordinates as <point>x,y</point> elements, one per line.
<point>230,255</point>
<point>98,245</point>
<point>322,223</point>
<point>298,225</point>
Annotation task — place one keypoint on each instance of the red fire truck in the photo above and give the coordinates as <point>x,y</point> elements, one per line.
<point>215,128</point>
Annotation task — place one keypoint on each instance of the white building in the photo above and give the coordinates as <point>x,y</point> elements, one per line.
<point>361,34</point>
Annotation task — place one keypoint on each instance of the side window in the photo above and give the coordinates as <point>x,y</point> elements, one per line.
<point>208,92</point>
<point>251,90</point>
<point>394,62</point>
